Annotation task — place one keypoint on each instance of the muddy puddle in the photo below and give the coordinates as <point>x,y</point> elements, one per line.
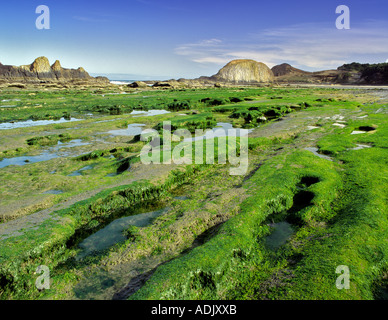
<point>33,123</point>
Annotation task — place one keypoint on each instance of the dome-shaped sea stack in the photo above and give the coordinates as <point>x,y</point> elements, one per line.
<point>245,71</point>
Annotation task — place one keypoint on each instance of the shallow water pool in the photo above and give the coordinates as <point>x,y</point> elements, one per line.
<point>282,232</point>
<point>113,232</point>
<point>32,123</point>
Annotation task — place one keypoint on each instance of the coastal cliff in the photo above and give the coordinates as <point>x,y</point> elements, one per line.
<point>40,71</point>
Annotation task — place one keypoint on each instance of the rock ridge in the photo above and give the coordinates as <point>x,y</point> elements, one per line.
<point>40,71</point>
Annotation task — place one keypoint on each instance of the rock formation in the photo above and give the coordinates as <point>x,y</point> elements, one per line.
<point>40,71</point>
<point>286,69</point>
<point>244,71</point>
<point>56,66</point>
<point>138,84</point>
<point>285,73</point>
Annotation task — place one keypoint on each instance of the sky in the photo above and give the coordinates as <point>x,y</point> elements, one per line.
<point>164,39</point>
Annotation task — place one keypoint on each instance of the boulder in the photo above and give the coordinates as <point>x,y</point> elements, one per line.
<point>244,71</point>
<point>138,84</point>
<point>40,65</point>
<point>162,84</point>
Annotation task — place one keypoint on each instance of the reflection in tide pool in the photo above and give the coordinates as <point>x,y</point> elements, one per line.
<point>133,129</point>
<point>32,123</point>
<point>71,144</point>
<point>46,155</point>
<point>149,113</point>
<point>20,161</point>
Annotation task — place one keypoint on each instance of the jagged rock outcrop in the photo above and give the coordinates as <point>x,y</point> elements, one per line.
<point>40,65</point>
<point>56,66</point>
<point>165,84</point>
<point>244,71</point>
<point>40,71</point>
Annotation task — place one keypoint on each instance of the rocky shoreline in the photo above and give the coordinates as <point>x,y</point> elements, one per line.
<point>246,72</point>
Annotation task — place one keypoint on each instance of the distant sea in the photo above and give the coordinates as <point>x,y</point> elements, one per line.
<point>122,81</point>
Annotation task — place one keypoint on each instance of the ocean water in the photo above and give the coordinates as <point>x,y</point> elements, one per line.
<point>122,81</point>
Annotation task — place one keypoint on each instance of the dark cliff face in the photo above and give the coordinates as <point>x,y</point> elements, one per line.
<point>369,73</point>
<point>40,71</point>
<point>353,73</point>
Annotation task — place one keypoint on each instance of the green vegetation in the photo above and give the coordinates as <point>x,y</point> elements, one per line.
<point>213,241</point>
<point>343,222</point>
<point>49,140</point>
<point>200,121</point>
<point>18,262</point>
<point>371,73</point>
<point>209,272</point>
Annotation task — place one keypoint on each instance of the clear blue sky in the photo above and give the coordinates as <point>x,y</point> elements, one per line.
<point>189,38</point>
